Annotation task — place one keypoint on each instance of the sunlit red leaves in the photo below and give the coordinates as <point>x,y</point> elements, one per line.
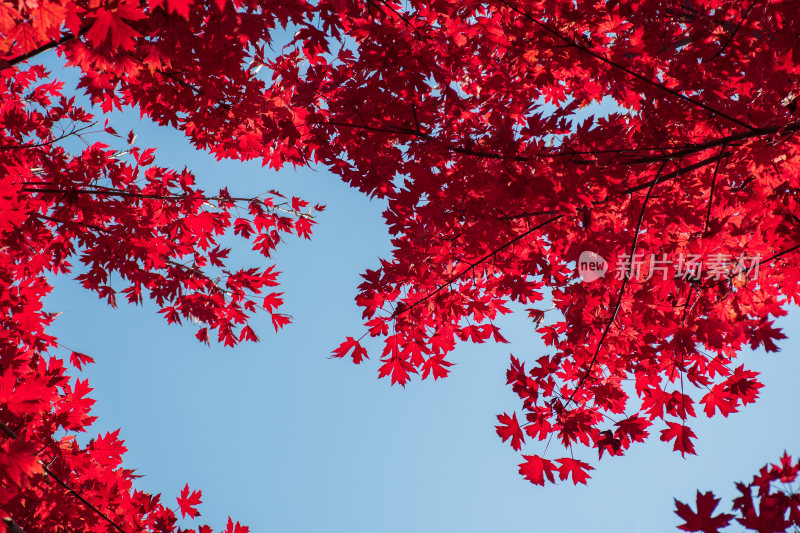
<point>78,360</point>
<point>107,449</point>
<point>631,429</point>
<point>764,334</point>
<point>577,469</point>
<point>682,435</point>
<point>718,398</point>
<point>436,366</point>
<point>12,204</point>
<point>460,242</point>
<point>123,221</point>
<point>232,527</point>
<point>743,385</point>
<point>397,368</point>
<point>786,471</point>
<point>112,24</point>
<point>181,7</point>
<point>26,25</point>
<point>739,388</point>
<point>74,405</point>
<point>205,290</point>
<point>359,353</point>
<point>26,393</point>
<point>28,451</point>
<point>303,227</point>
<point>471,167</point>
<point>202,335</point>
<point>509,429</point>
<point>188,501</point>
<point>280,320</point>
<point>18,462</point>
<point>535,469</point>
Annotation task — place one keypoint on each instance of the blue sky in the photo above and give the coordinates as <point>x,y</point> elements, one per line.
<point>283,438</point>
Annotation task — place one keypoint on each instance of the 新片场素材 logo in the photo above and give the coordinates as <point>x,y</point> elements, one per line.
<point>591,266</point>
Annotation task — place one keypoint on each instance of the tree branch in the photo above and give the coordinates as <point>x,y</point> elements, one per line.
<point>12,526</point>
<point>733,33</point>
<point>10,434</point>
<point>675,152</point>
<point>45,47</point>
<point>658,85</point>
<point>675,174</point>
<point>47,143</point>
<point>472,265</point>
<point>127,194</point>
<point>625,280</point>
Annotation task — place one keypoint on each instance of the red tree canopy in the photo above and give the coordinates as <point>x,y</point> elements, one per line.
<point>473,122</point>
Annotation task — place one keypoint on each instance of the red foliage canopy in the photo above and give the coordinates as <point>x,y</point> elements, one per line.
<point>474,122</point>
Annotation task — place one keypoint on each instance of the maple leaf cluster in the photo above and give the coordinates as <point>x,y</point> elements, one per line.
<point>474,122</point>
<point>124,228</point>
<point>509,137</point>
<point>774,507</point>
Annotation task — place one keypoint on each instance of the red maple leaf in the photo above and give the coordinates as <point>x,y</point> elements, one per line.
<point>719,398</point>
<point>280,320</point>
<point>79,359</point>
<point>235,528</point>
<point>188,502</point>
<point>682,435</point>
<point>509,429</point>
<point>359,353</point>
<point>702,520</point>
<point>398,368</point>
<point>535,469</point>
<point>578,470</point>
<point>765,334</point>
<point>436,366</point>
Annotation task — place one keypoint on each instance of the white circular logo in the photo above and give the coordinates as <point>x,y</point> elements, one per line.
<point>591,266</point>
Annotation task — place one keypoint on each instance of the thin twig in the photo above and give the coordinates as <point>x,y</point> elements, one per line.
<point>399,15</point>
<point>673,175</point>
<point>733,34</point>
<point>128,194</point>
<point>47,143</point>
<point>760,263</point>
<point>472,265</point>
<point>674,152</point>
